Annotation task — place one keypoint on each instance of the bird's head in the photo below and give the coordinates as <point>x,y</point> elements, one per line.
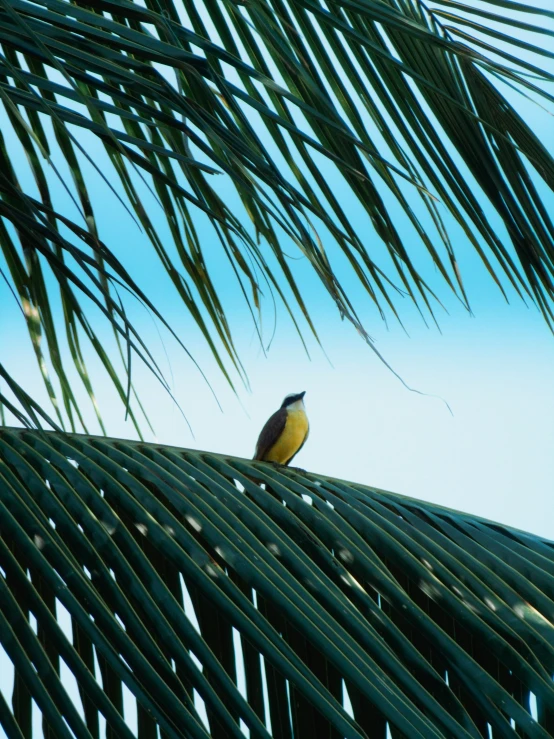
<point>294,400</point>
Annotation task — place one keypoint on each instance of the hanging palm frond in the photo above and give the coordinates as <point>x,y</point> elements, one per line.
<point>304,107</point>
<point>147,587</point>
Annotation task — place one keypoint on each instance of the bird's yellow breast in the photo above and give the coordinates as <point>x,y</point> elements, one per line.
<point>291,439</point>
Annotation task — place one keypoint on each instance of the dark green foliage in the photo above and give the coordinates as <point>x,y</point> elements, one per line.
<point>304,589</point>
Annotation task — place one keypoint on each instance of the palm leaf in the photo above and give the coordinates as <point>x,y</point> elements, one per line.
<point>203,594</point>
<point>401,103</point>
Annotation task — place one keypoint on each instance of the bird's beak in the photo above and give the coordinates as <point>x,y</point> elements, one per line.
<point>301,395</point>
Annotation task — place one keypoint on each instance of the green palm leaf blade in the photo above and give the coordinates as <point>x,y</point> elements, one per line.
<point>401,102</point>
<point>149,590</point>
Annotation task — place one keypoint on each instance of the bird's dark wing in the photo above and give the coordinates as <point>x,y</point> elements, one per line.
<point>270,433</point>
<point>300,447</point>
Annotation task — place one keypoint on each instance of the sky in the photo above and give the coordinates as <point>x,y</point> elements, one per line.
<point>491,457</point>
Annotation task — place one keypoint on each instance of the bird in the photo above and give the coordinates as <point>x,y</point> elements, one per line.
<point>285,432</point>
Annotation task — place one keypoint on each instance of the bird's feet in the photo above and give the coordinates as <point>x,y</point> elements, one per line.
<point>280,465</point>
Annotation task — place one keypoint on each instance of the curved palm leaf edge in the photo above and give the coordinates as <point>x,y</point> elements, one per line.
<point>405,106</point>
<point>204,595</point>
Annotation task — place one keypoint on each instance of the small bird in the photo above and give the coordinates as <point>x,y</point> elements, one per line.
<point>285,433</point>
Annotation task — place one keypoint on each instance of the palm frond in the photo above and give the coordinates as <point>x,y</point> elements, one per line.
<point>300,105</point>
<point>200,595</point>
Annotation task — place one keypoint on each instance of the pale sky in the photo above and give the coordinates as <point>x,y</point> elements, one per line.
<point>493,457</point>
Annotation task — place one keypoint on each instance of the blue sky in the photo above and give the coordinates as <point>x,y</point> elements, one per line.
<point>492,457</point>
